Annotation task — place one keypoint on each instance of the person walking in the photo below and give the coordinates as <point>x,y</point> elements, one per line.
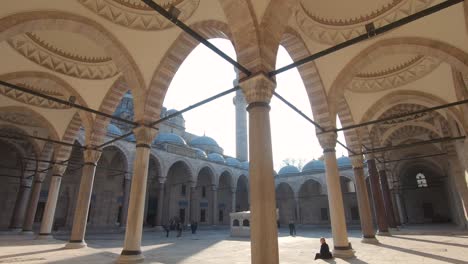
<point>179,228</point>
<point>167,229</point>
<point>292,228</point>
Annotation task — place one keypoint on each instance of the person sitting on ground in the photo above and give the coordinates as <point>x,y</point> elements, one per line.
<point>324,251</point>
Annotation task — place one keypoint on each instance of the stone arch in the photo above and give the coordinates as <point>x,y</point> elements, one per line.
<point>225,188</point>
<point>286,203</point>
<point>394,131</point>
<point>20,131</point>
<point>86,117</point>
<point>313,204</point>
<point>212,172</point>
<point>443,51</point>
<point>186,163</point>
<point>203,196</point>
<point>63,21</point>
<point>174,57</point>
<point>109,104</point>
<point>257,41</point>
<point>242,194</point>
<point>61,153</point>
<point>297,49</point>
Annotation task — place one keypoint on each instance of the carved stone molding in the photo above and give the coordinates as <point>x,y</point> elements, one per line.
<point>144,135</point>
<point>327,141</point>
<point>41,53</point>
<point>136,15</point>
<point>91,155</point>
<point>19,118</point>
<point>357,161</point>
<point>258,88</point>
<point>333,31</point>
<point>395,77</point>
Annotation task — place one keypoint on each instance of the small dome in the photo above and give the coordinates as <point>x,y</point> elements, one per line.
<point>313,166</point>
<point>245,165</point>
<point>173,111</point>
<point>216,157</point>
<point>200,153</point>
<point>203,140</point>
<point>113,129</point>
<point>131,138</point>
<point>169,138</point>
<point>344,161</point>
<point>232,162</point>
<point>288,170</point>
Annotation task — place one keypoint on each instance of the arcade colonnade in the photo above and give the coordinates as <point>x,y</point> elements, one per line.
<point>387,86</point>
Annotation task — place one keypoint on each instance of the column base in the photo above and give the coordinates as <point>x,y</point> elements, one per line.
<point>15,229</point>
<point>343,253</point>
<point>370,240</point>
<point>384,233</point>
<point>75,244</point>
<point>27,232</point>
<point>130,256</point>
<point>393,229</point>
<point>44,237</point>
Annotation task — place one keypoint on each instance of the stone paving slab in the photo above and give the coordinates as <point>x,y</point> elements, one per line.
<point>215,246</point>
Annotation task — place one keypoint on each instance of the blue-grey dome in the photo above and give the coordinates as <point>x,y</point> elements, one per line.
<point>288,170</point>
<point>216,157</point>
<point>203,140</point>
<point>113,129</point>
<point>200,153</point>
<point>232,162</point>
<point>313,166</point>
<point>169,138</point>
<point>344,161</point>
<point>245,165</point>
<point>131,138</point>
<point>172,111</point>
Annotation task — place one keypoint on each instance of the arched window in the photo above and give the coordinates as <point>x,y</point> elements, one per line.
<point>235,222</point>
<point>246,222</point>
<point>421,180</point>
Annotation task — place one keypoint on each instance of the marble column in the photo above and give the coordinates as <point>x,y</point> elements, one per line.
<point>233,200</point>
<point>160,204</point>
<point>51,204</point>
<point>258,90</point>
<point>131,252</point>
<point>365,214</point>
<point>80,218</point>
<point>387,197</point>
<point>341,246</point>
<point>126,198</point>
<point>399,205</point>
<point>377,197</point>
<point>215,205</point>
<point>32,206</point>
<point>19,211</point>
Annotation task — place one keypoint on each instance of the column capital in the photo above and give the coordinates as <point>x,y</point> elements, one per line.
<point>369,156</point>
<point>59,170</point>
<point>357,161</point>
<point>144,136</point>
<point>258,88</point>
<point>381,166</point>
<point>327,141</point>
<point>26,182</point>
<point>91,155</point>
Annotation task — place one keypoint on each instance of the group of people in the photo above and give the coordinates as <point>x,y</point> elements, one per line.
<point>178,225</point>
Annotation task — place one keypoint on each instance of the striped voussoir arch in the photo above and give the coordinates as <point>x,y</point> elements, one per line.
<point>62,152</point>
<point>173,58</point>
<point>352,138</point>
<point>295,46</point>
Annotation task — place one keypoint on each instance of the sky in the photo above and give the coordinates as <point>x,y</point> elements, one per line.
<point>204,74</point>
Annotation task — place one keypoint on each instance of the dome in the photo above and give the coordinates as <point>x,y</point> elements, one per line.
<point>344,161</point>
<point>216,157</point>
<point>288,170</point>
<point>203,140</point>
<point>169,138</point>
<point>173,111</point>
<point>113,129</point>
<point>245,165</point>
<point>232,162</point>
<point>176,120</point>
<point>200,153</point>
<point>314,165</point>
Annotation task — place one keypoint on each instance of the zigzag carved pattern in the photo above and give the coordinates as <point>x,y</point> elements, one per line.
<point>130,16</point>
<point>395,79</point>
<point>53,61</point>
<point>31,99</point>
<point>339,32</point>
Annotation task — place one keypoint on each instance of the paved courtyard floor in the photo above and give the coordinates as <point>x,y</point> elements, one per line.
<point>216,246</point>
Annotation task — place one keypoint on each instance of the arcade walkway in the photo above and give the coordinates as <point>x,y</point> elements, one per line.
<point>210,247</point>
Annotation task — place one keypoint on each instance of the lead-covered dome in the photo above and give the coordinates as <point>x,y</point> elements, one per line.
<point>314,166</point>
<point>207,144</point>
<point>200,153</point>
<point>169,138</point>
<point>216,157</point>
<point>114,130</point>
<point>232,162</point>
<point>178,120</point>
<point>245,165</point>
<point>343,161</point>
<point>288,170</point>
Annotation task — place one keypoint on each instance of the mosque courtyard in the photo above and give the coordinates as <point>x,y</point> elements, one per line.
<point>442,244</point>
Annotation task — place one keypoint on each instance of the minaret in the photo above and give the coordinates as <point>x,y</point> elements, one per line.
<point>241,124</point>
